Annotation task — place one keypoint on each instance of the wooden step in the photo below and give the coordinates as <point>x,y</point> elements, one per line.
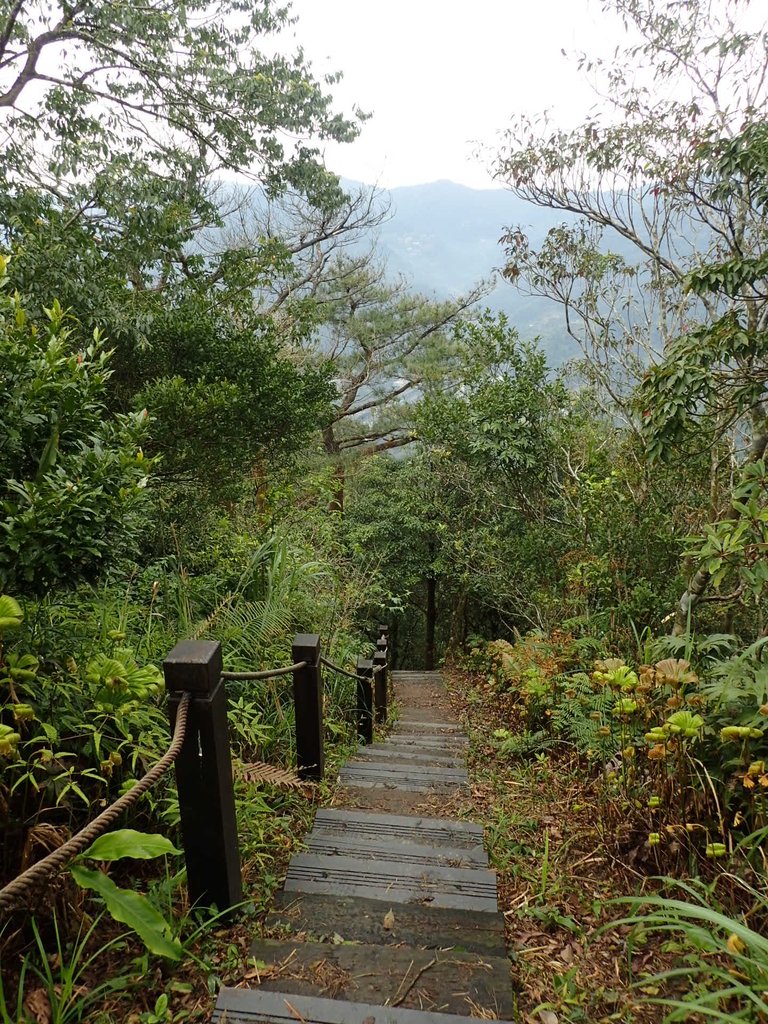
<point>244,1006</point>
<point>420,714</point>
<point>436,727</point>
<point>434,675</point>
<point>423,979</point>
<point>408,755</point>
<point>427,730</point>
<point>405,772</point>
<point>456,888</point>
<point>356,919</point>
<point>402,853</point>
<point>448,741</point>
<point>333,821</point>
<point>363,775</point>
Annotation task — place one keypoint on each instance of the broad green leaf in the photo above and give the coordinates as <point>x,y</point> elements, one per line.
<point>133,909</point>
<point>11,615</point>
<point>127,842</point>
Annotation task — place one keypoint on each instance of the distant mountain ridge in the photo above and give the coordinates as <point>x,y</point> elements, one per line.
<point>444,238</point>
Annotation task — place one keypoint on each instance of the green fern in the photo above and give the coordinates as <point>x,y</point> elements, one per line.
<point>521,746</point>
<point>578,717</point>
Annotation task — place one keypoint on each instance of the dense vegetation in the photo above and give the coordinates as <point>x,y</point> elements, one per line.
<point>220,418</point>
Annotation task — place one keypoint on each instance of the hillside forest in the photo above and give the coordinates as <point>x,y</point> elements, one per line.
<point>222,417</point>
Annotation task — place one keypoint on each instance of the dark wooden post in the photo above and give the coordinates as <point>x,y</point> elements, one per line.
<point>380,685</point>
<point>204,775</point>
<point>383,631</point>
<point>308,702</point>
<point>365,700</point>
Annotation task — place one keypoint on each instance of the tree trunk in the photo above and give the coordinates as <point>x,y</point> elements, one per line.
<point>689,600</point>
<point>429,647</point>
<point>702,577</point>
<point>331,445</point>
<point>459,620</point>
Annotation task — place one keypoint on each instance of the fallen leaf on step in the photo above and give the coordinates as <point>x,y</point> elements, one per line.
<point>389,921</point>
<point>548,1017</point>
<point>337,939</point>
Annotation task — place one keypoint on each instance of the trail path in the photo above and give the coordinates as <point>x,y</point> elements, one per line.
<point>390,914</point>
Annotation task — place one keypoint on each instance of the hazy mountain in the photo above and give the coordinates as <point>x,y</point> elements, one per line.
<point>444,238</point>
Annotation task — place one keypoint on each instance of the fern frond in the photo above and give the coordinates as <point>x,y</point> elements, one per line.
<point>203,627</point>
<point>258,771</point>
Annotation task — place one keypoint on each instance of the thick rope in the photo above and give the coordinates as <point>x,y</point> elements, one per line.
<point>350,675</point>
<point>337,668</point>
<point>271,673</point>
<point>19,890</point>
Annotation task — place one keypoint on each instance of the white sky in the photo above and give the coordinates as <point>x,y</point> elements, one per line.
<point>441,76</point>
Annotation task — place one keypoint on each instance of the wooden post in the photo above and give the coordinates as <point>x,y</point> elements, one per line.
<point>204,775</point>
<point>308,702</point>
<point>380,685</point>
<point>383,631</point>
<point>365,700</point>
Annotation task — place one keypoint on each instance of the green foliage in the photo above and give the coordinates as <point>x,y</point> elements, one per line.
<point>581,712</point>
<point>726,957</point>
<point>72,476</point>
<point>224,400</point>
<point>61,975</point>
<point>124,905</point>
<point>520,747</point>
<point>70,736</point>
<point>127,842</point>
<point>11,615</point>
<point>131,908</point>
<point>501,419</point>
<point>163,86</point>
<point>700,384</point>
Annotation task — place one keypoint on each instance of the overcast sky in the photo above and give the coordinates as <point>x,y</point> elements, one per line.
<point>440,76</point>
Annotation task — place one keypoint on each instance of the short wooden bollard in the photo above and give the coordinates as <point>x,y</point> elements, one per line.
<point>308,702</point>
<point>204,775</point>
<point>380,677</point>
<point>365,700</point>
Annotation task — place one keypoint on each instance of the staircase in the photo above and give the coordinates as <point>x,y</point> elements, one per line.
<point>390,916</point>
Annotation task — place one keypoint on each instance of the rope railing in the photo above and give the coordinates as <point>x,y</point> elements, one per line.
<point>198,709</point>
<point>269,673</point>
<point>273,673</point>
<point>19,890</point>
<point>350,675</point>
<point>337,668</point>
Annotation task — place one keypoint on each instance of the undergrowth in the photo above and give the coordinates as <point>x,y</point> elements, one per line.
<point>626,825</point>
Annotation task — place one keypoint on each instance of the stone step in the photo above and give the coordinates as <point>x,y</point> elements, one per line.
<point>408,755</point>
<point>424,979</point>
<point>356,919</point>
<point>456,888</point>
<point>244,1006</point>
